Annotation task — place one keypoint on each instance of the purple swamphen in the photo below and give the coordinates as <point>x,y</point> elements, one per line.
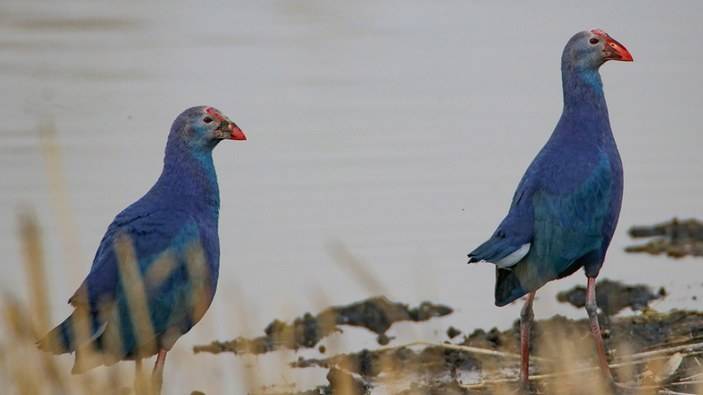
<point>155,272</point>
<point>567,205</point>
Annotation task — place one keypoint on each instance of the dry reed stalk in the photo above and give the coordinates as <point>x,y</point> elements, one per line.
<point>547,376</point>
<point>248,369</point>
<point>135,293</point>
<point>349,262</point>
<point>669,392</point>
<point>60,197</point>
<point>36,275</point>
<point>37,285</point>
<point>688,348</point>
<point>469,349</point>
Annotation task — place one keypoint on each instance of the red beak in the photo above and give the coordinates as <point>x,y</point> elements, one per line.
<point>613,50</point>
<point>236,132</point>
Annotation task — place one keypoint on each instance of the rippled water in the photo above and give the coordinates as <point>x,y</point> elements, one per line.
<point>393,132</point>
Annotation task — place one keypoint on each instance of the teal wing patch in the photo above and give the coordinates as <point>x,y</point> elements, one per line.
<point>567,226</point>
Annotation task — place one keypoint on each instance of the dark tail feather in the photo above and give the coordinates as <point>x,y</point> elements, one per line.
<point>508,287</point>
<point>494,249</point>
<point>63,338</point>
<point>89,350</point>
<point>59,340</point>
<point>88,358</point>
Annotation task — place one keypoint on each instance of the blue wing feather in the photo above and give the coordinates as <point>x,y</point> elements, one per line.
<point>514,231</point>
<point>567,226</point>
<point>160,236</point>
<point>151,231</point>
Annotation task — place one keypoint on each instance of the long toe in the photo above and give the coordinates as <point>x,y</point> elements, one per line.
<point>523,388</point>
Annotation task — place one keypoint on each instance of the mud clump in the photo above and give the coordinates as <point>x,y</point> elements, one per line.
<point>452,332</point>
<point>639,332</point>
<point>369,364</point>
<point>340,382</point>
<point>613,296</point>
<point>494,339</point>
<point>675,238</point>
<point>343,382</point>
<point>434,369</point>
<point>375,314</point>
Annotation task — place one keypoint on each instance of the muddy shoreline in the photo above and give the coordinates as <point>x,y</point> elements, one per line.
<point>676,238</point>
<point>375,314</point>
<point>486,361</point>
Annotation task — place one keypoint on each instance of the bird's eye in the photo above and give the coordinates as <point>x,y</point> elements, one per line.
<point>594,41</point>
<point>207,119</point>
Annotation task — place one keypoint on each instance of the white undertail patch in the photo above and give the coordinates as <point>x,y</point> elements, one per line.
<point>514,257</point>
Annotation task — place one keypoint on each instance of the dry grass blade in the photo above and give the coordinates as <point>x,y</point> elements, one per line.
<point>198,274</point>
<point>670,367</point>
<point>36,275</point>
<point>341,254</point>
<point>547,376</point>
<point>59,195</point>
<point>131,280</point>
<point>688,348</point>
<point>38,287</point>
<point>469,349</point>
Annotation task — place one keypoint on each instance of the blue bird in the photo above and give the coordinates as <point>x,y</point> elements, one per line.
<point>567,205</point>
<point>155,272</point>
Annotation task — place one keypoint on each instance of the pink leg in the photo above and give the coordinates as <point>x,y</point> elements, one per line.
<point>157,376</point>
<point>526,316</point>
<point>592,310</point>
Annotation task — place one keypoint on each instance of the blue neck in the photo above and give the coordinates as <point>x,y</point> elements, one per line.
<point>583,89</point>
<point>189,177</point>
<point>585,109</point>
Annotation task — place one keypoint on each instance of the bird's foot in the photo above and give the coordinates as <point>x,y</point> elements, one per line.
<point>523,388</point>
<point>621,388</point>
